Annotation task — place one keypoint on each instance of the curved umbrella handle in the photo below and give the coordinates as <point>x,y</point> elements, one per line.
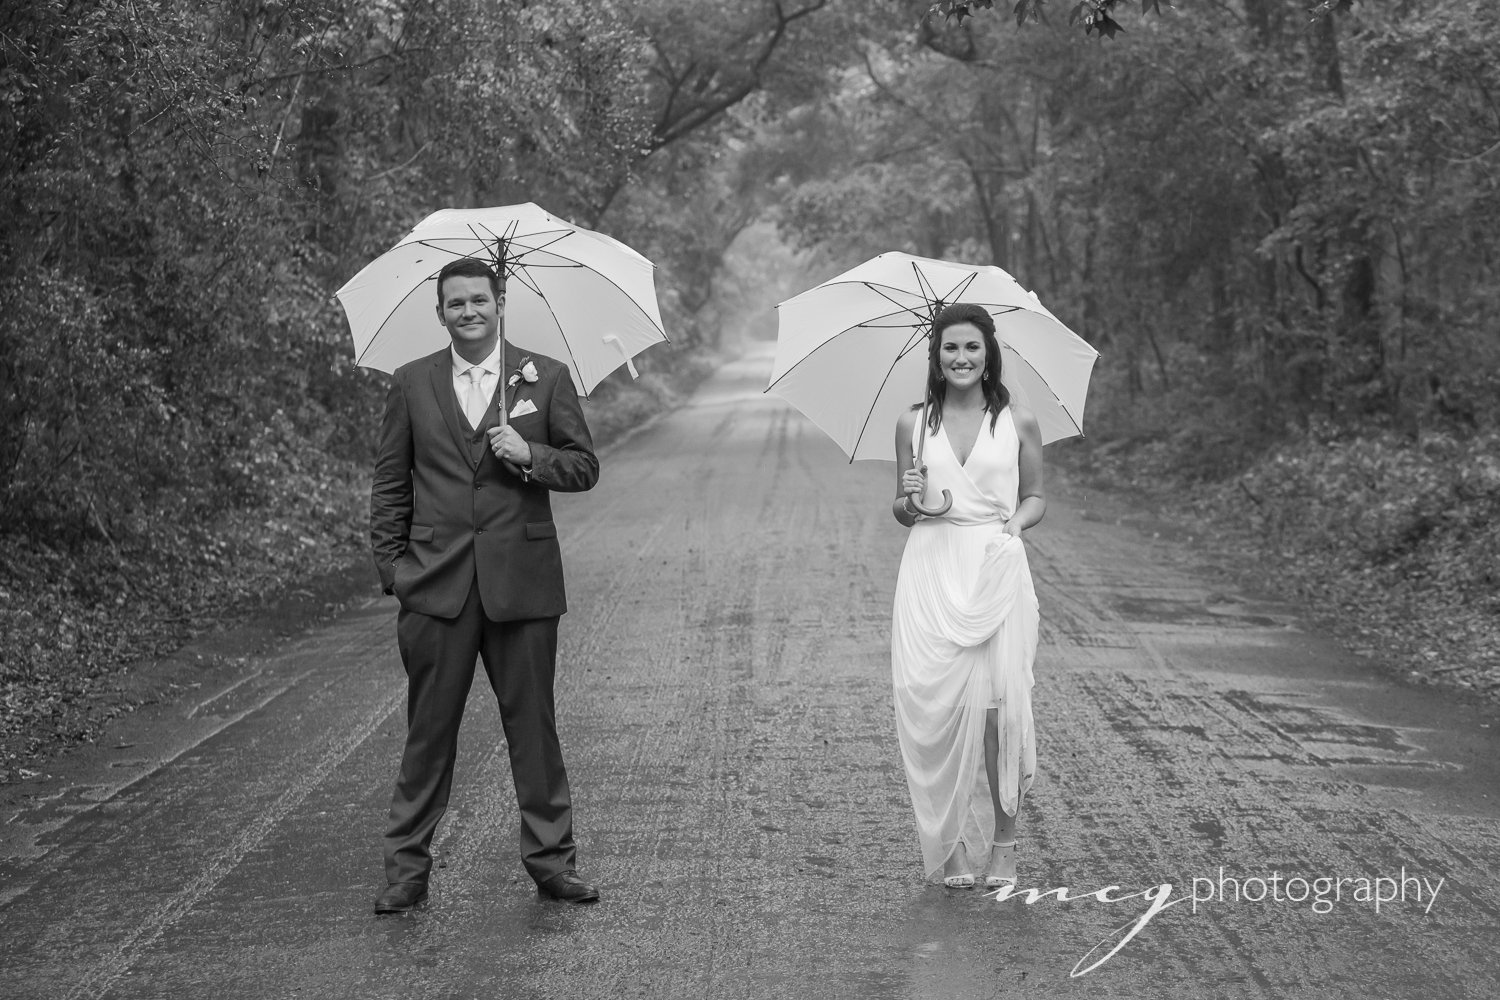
<point>937,511</point>
<point>921,508</point>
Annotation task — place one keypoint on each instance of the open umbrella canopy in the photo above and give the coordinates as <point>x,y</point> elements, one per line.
<point>579,296</point>
<point>851,353</point>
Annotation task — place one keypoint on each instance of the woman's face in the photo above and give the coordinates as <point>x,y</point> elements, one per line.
<point>961,355</point>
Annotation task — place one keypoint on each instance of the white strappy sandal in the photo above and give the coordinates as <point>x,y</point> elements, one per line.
<point>992,881</point>
<point>964,881</point>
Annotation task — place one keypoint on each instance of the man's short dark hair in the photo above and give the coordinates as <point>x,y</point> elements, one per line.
<point>468,267</point>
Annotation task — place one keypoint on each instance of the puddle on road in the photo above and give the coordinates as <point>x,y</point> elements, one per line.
<point>1212,610</point>
<point>1210,828</point>
<point>1309,724</point>
<point>1283,729</point>
<point>1369,754</point>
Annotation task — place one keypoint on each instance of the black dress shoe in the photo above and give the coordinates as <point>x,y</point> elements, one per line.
<point>400,897</point>
<point>568,887</point>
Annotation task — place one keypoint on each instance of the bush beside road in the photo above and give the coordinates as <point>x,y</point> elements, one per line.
<point>1391,543</point>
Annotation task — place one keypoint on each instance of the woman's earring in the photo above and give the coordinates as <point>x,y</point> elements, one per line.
<point>984,377</point>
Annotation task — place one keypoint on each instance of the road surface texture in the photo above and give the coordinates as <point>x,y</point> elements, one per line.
<point>726,714</point>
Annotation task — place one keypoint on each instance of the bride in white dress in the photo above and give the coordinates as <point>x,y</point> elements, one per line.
<point>964,631</point>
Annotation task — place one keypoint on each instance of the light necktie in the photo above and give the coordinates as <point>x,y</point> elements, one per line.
<point>474,402</point>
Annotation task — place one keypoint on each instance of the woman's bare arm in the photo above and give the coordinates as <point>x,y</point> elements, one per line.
<point>908,479</point>
<point>1033,502</point>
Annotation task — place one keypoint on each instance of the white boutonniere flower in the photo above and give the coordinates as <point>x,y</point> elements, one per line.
<point>526,371</point>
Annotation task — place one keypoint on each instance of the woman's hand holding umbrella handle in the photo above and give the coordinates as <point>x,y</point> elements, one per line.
<point>914,482</point>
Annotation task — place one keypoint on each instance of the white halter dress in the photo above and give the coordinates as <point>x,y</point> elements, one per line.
<point>963,637</point>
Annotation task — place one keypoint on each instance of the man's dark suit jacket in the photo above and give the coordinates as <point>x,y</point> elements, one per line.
<point>444,510</point>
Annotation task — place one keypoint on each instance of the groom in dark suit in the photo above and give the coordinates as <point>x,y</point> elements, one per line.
<point>461,524</point>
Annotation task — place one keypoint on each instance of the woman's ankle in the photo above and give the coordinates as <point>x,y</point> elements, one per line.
<point>1002,864</point>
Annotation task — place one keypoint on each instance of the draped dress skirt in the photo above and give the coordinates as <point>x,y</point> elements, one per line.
<point>963,637</point>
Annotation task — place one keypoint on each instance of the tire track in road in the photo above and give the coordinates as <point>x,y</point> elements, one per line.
<point>102,976</point>
<point>56,830</point>
<point>134,864</point>
<point>579,650</point>
<point>23,876</point>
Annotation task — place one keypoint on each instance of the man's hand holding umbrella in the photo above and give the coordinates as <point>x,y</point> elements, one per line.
<point>509,446</point>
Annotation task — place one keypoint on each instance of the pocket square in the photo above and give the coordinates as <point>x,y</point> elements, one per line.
<point>522,408</point>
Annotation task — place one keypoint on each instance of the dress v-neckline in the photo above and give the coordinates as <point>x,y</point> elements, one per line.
<point>963,463</point>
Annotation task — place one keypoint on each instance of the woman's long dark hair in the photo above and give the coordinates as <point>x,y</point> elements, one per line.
<point>996,396</point>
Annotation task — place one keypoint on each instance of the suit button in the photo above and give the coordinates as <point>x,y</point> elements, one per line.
<point>478,531</point>
<point>478,487</point>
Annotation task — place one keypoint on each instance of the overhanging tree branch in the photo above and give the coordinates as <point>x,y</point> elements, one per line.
<point>719,91</point>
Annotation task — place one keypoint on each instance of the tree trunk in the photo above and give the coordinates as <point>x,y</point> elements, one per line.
<point>1323,53</point>
<point>996,219</point>
<point>1266,18</point>
<point>1220,306</point>
<point>1358,326</point>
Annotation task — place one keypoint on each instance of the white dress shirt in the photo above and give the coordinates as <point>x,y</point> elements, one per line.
<point>489,378</point>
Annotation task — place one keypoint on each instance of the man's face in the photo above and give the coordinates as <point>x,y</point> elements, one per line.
<point>469,309</point>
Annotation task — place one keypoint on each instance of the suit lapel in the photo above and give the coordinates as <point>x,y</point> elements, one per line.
<point>442,387</point>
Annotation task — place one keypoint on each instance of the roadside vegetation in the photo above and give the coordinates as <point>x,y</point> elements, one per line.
<point>1390,542</point>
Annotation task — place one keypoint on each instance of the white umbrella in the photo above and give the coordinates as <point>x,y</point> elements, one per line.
<point>851,353</point>
<point>572,294</point>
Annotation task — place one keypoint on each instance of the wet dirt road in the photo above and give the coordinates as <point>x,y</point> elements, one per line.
<point>725,709</point>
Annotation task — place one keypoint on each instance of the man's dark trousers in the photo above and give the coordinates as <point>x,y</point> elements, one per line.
<point>439,654</point>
